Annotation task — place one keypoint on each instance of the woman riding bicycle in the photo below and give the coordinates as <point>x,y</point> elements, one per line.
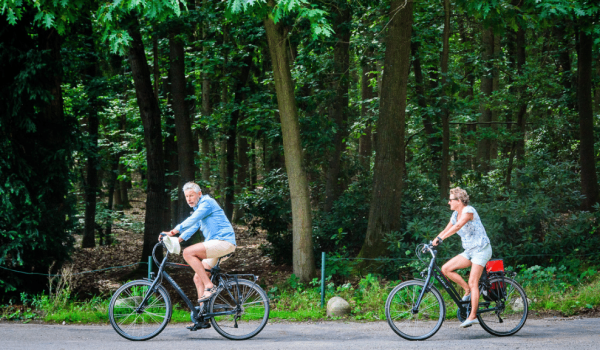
<point>466,222</point>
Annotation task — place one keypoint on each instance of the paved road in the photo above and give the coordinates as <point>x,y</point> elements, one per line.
<point>537,334</point>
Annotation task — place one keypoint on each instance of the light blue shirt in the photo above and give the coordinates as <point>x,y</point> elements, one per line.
<point>210,218</point>
<point>472,234</point>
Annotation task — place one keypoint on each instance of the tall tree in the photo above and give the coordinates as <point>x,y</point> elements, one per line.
<point>303,259</point>
<point>183,126</point>
<point>587,159</point>
<point>150,114</point>
<point>385,211</point>
<point>444,180</point>
<point>338,111</point>
<point>487,86</point>
<point>365,146</point>
<point>91,183</point>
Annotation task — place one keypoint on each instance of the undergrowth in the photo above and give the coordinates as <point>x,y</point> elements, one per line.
<point>548,289</point>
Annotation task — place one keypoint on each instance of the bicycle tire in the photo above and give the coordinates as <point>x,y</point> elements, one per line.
<point>512,309</point>
<point>254,307</point>
<point>153,319</point>
<point>421,325</point>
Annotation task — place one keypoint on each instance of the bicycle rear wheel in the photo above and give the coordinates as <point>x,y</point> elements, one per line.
<point>143,323</point>
<point>250,304</point>
<point>510,308</point>
<point>408,324</point>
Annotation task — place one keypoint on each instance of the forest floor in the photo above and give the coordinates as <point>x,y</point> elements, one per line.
<point>127,247</point>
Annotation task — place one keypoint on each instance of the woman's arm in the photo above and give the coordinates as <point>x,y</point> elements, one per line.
<point>452,229</point>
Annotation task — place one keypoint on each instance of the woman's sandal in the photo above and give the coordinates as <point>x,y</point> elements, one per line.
<point>212,291</point>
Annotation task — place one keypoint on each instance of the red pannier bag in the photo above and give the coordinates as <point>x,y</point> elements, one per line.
<point>495,268</point>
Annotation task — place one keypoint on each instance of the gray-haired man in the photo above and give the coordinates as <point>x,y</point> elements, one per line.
<point>219,237</point>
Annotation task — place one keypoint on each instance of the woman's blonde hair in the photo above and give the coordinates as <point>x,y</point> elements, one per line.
<point>460,194</point>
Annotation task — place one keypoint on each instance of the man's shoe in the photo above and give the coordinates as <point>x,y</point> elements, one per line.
<point>469,323</point>
<point>197,326</point>
<point>466,297</point>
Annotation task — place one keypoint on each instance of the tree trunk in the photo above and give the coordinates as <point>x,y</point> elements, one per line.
<point>112,181</point>
<point>432,140</point>
<point>253,166</point>
<point>303,258</point>
<point>172,164</point>
<point>589,179</point>
<point>91,183</point>
<point>155,67</point>
<point>365,146</point>
<point>122,184</point>
<point>495,112</point>
<point>183,127</point>
<point>444,178</point>
<point>522,109</point>
<point>338,112</point>
<point>241,81</point>
<point>206,111</point>
<point>385,212</point>
<point>487,85</point>
<point>150,115</point>
<point>242,172</point>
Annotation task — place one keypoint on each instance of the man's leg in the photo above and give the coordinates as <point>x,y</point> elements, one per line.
<point>458,262</point>
<point>193,255</point>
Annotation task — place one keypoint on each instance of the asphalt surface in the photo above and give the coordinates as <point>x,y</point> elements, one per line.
<point>555,333</point>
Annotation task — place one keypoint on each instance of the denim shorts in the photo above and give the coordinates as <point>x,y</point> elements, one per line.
<point>479,256</point>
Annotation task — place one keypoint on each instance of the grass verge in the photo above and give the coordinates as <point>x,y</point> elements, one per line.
<point>547,291</point>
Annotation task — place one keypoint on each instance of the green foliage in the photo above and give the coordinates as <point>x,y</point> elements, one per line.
<point>36,147</point>
<point>268,208</point>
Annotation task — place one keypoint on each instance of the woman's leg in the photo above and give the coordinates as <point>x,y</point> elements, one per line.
<point>476,271</point>
<point>193,255</point>
<point>458,262</point>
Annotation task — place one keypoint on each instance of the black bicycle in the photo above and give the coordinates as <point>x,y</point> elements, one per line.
<point>415,309</point>
<point>141,309</point>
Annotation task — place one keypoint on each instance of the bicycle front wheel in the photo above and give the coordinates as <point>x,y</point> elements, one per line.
<point>247,306</point>
<point>508,308</point>
<point>407,323</point>
<point>134,321</point>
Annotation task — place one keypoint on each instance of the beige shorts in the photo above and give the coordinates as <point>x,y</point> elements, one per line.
<point>216,249</point>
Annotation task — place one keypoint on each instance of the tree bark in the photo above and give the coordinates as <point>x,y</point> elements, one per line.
<point>172,164</point>
<point>338,112</point>
<point>156,68</point>
<point>206,111</point>
<point>183,127</point>
<point>91,183</point>
<point>522,109</point>
<point>365,146</point>
<point>487,85</point>
<point>444,178</point>
<point>150,115</point>
<point>241,81</point>
<point>432,140</point>
<point>385,212</point>
<point>303,258</point>
<point>589,179</point>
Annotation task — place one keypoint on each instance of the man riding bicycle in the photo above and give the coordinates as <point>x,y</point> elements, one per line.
<point>219,237</point>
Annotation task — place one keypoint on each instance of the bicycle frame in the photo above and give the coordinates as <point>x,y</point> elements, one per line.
<point>433,271</point>
<point>216,276</point>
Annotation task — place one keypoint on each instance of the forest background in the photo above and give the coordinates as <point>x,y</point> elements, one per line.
<point>334,127</point>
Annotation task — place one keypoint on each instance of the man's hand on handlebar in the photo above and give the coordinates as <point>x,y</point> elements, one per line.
<point>437,241</point>
<point>168,233</point>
